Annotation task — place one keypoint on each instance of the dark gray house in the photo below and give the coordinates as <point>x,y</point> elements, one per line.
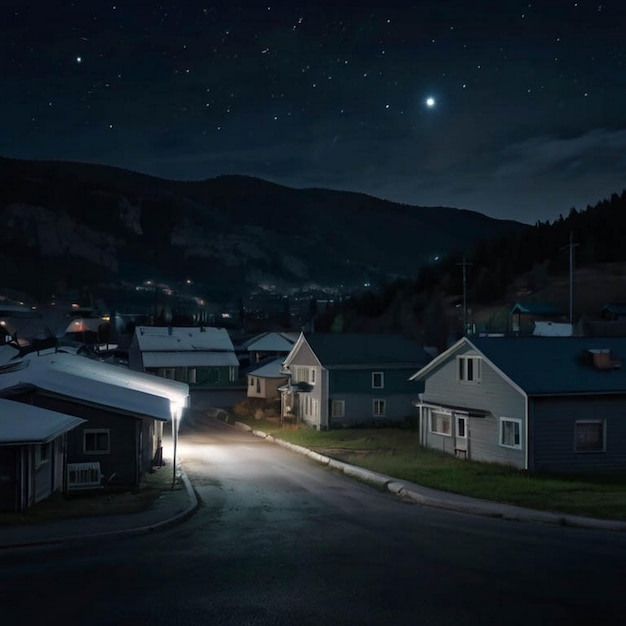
<point>340,380</point>
<point>543,404</point>
<point>123,412</point>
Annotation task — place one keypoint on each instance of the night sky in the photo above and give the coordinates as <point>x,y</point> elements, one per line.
<point>514,109</point>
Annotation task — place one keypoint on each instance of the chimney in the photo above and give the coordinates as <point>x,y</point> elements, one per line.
<point>601,359</point>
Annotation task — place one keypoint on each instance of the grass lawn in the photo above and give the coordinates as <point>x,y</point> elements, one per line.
<point>397,453</point>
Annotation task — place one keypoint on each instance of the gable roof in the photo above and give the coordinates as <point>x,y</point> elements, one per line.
<point>273,342</point>
<point>273,369</point>
<point>178,339</point>
<point>361,350</point>
<point>547,365</point>
<point>95,382</point>
<point>536,308</point>
<point>26,424</point>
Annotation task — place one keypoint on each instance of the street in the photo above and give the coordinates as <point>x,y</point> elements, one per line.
<point>279,539</point>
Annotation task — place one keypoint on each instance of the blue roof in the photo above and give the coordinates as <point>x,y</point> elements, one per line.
<point>338,349</point>
<point>536,308</point>
<point>556,365</point>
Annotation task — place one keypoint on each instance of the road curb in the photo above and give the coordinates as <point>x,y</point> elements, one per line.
<point>468,505</point>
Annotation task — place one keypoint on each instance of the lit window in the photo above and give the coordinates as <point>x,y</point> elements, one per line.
<point>378,380</point>
<point>510,433</point>
<point>590,436</point>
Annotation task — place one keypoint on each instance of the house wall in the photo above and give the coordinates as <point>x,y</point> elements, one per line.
<point>43,475</point>
<point>359,408</point>
<point>267,388</point>
<point>207,376</point>
<point>553,435</point>
<point>9,473</point>
<point>124,458</point>
<point>492,394</point>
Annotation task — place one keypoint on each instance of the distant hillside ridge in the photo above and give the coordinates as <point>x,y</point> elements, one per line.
<point>69,224</point>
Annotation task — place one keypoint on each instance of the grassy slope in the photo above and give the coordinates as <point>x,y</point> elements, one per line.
<point>397,453</point>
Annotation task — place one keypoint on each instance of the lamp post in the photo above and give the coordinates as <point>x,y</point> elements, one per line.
<point>176,410</point>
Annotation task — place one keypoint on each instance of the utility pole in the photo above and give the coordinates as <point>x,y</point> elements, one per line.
<point>464,265</point>
<point>571,247</point>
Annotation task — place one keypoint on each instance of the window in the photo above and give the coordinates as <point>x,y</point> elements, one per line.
<point>469,369</point>
<point>337,408</point>
<point>312,379</point>
<point>251,379</point>
<point>258,385</point>
<point>42,454</point>
<point>440,423</point>
<point>378,408</point>
<point>96,441</point>
<point>378,380</point>
<point>510,433</point>
<point>590,436</point>
<point>461,427</point>
<point>232,373</point>
<point>191,375</point>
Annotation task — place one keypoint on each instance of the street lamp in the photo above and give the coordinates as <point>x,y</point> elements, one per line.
<point>176,408</point>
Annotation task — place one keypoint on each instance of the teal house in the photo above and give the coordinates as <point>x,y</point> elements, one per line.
<point>338,380</point>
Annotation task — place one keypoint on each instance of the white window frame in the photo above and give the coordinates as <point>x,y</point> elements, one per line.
<point>337,408</point>
<point>463,369</point>
<point>232,375</point>
<point>191,375</point>
<point>602,423</point>
<point>432,423</point>
<point>461,419</point>
<point>510,420</point>
<point>379,407</point>
<point>97,431</point>
<point>380,375</point>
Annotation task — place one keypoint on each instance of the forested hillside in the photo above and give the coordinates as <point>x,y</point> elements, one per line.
<point>429,306</point>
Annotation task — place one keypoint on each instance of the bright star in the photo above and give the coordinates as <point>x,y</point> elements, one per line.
<point>430,102</point>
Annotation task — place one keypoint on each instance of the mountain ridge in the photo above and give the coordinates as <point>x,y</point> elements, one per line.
<point>230,234</point>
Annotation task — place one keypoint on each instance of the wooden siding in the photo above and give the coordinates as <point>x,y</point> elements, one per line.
<point>553,433</point>
<point>492,394</point>
<point>358,408</point>
<point>360,381</point>
<point>267,388</point>
<point>304,356</point>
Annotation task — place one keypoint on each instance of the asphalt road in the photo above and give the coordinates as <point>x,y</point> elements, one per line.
<point>280,539</point>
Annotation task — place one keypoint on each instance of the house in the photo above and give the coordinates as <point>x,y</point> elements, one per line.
<point>270,345</point>
<point>347,379</point>
<point>32,453</point>
<point>265,381</point>
<point>542,404</point>
<point>611,322</point>
<point>123,411</point>
<point>523,316</point>
<point>202,356</point>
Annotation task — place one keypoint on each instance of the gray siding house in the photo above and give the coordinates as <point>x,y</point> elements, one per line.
<point>338,380</point>
<point>542,404</point>
<point>32,453</point>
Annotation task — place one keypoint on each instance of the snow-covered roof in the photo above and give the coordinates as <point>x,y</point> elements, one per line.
<point>23,423</point>
<point>96,382</point>
<point>189,359</point>
<point>273,369</point>
<point>274,342</point>
<point>176,339</point>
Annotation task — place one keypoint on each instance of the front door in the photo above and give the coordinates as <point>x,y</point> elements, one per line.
<point>461,447</point>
